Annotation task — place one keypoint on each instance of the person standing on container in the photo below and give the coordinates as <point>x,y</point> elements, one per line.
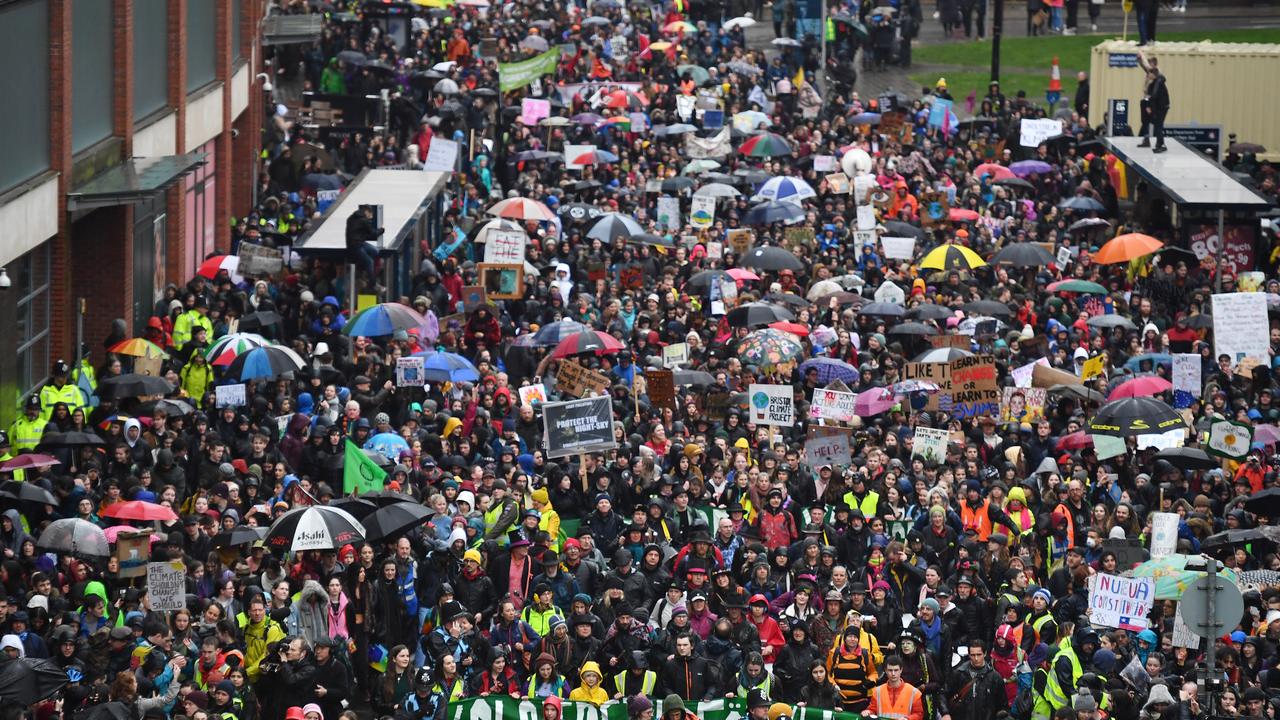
<point>1155,103</point>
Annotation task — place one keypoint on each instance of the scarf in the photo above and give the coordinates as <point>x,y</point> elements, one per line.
<point>932,633</point>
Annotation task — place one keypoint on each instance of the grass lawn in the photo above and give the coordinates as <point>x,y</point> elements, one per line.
<point>960,84</point>
<point>1024,53</point>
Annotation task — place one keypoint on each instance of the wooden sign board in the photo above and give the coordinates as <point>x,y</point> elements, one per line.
<point>574,380</point>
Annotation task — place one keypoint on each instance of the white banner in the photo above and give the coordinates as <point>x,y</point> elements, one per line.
<point>1164,534</point>
<point>1186,373</point>
<point>772,404</point>
<point>832,450</point>
<point>930,444</point>
<point>442,156</point>
<point>504,247</point>
<point>1120,602</point>
<point>702,211</point>
<point>1034,132</point>
<point>898,248</point>
<point>1182,635</point>
<point>832,405</point>
<point>1240,328</point>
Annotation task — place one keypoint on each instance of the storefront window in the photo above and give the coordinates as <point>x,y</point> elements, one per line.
<point>30,274</point>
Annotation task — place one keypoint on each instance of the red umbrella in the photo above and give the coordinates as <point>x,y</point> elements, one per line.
<point>1144,386</point>
<point>139,510</point>
<point>210,268</point>
<point>1075,441</point>
<point>742,274</point>
<point>790,327</point>
<point>962,215</point>
<point>586,342</point>
<point>997,172</point>
<point>28,461</point>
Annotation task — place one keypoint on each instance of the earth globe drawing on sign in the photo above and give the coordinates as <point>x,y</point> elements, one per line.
<point>760,400</point>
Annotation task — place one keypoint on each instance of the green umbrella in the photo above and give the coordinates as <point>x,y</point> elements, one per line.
<point>1078,286</point>
<point>1172,576</point>
<point>697,72</point>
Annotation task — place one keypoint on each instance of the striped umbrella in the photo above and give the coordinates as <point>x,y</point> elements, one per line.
<point>592,341</point>
<point>785,188</point>
<point>765,145</point>
<point>830,369</point>
<point>228,347</point>
<point>138,347</point>
<point>384,319</point>
<point>315,527</point>
<point>552,333</point>
<point>519,208</point>
<point>263,363</point>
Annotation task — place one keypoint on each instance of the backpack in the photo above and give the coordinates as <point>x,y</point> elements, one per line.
<point>1023,703</point>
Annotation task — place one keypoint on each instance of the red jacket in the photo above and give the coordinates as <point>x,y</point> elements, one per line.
<point>777,529</point>
<point>771,639</point>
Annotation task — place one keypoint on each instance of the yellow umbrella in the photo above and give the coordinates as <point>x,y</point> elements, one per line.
<point>660,46</point>
<point>952,257</point>
<point>433,3</point>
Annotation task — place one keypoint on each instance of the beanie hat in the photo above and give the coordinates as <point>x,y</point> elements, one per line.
<point>1083,702</point>
<point>540,496</point>
<point>1043,593</point>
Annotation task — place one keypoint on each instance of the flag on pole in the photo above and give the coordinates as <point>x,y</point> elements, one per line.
<point>359,473</point>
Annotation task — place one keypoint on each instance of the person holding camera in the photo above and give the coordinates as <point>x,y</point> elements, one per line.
<point>288,677</point>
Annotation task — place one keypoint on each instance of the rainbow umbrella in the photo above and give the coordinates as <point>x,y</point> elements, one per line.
<point>765,145</point>
<point>138,347</point>
<point>384,319</point>
<point>229,347</point>
<point>680,26</point>
<point>769,347</point>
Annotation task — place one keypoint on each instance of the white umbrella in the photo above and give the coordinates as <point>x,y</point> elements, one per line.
<point>499,225</point>
<point>745,21</point>
<point>446,87</point>
<point>447,66</point>
<point>823,288</point>
<point>785,189</point>
<point>717,190</point>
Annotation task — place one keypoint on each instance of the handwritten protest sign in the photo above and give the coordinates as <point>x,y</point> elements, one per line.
<point>410,372</point>
<point>1240,328</point>
<point>1022,376</point>
<point>505,247</point>
<point>702,211</point>
<point>832,405</point>
<point>229,395</point>
<point>166,585</point>
<point>1164,534</point>
<point>831,450</point>
<point>133,551</point>
<point>898,248</point>
<point>973,390</point>
<point>662,388</point>
<point>442,156</point>
<point>1120,602</point>
<point>772,404</point>
<point>930,444</point>
<point>257,259</point>
<point>1186,378</point>
<point>675,354</point>
<point>534,394</point>
<point>1033,132</point>
<point>574,380</point>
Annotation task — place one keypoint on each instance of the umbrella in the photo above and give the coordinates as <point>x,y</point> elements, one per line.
<point>1123,248</point>
<point>1023,168</point>
<point>942,354</point>
<point>745,21</point>
<point>897,228</point>
<point>315,527</point>
<point>951,257</point>
<point>1111,321</point>
<point>352,57</point>
<point>962,215</point>
<point>1082,203</point>
<point>384,319</point>
<point>27,493</point>
<point>138,347</point>
<point>113,533</point>
<point>481,232</point>
<point>536,43</point>
<point>874,401</point>
<point>73,438</point>
<point>75,536</point>
<point>679,26</point>
<point>1186,458</point>
<point>592,341</point>
<point>702,281</point>
<point>392,520</point>
<point>133,385</point>
<point>987,307</point>
<point>1016,182</point>
<point>769,347</point>
<point>172,407</point>
<point>780,298</point>
<point>677,184</point>
<point>139,510</point>
<point>1075,441</point>
<point>1266,434</point>
<point>1258,538</point>
<point>769,257</point>
<point>1023,254</point>
<point>750,121</point>
<point>907,387</point>
<point>259,320</point>
<point>1088,223</point>
<point>865,118</point>
<point>930,311</point>
<point>757,313</point>
<point>717,190</point>
<point>1079,392</point>
<point>675,129</point>
<point>383,498</point>
<point>580,212</point>
<point>1135,363</point>
<point>387,443</point>
<point>912,328</point>
<point>445,87</point>
<point>697,72</point>
<point>1077,286</point>
<point>697,167</point>
<point>552,333</point>
<point>227,347</point>
<point>830,370</point>
<point>27,681</point>
<point>794,328</point>
<point>765,145</point>
<point>1264,502</point>
<point>772,211</point>
<point>265,363</point>
<point>785,188</point>
<point>823,288</point>
<point>786,42</point>
<point>751,175</point>
<point>211,267</point>
<point>1172,576</point>
<point>519,208</point>
<point>597,20</point>
<point>682,378</point>
<point>614,225</point>
<point>1144,386</point>
<point>239,535</point>
<point>882,309</point>
<point>1135,416</point>
<point>651,239</point>
<point>595,157</point>
<point>999,172</point>
<point>1245,148</point>
<point>448,367</point>
<point>29,461</point>
<point>358,508</point>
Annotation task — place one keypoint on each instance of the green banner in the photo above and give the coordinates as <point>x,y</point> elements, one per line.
<point>512,76</point>
<point>506,708</point>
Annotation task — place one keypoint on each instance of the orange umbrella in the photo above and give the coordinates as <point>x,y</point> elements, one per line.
<point>1123,248</point>
<point>138,347</point>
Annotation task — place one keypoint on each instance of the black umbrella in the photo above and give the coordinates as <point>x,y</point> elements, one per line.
<point>756,314</point>
<point>133,385</point>
<point>1014,182</point>
<point>1264,502</point>
<point>536,155</point>
<point>701,281</point>
<point>987,307</point>
<point>882,309</point>
<point>772,211</point>
<point>1111,321</point>
<point>651,239</point>
<point>1023,255</point>
<point>73,438</point>
<point>912,328</point>
<point>1187,458</point>
<point>1227,541</point>
<point>259,320</point>
<point>26,681</point>
<point>676,184</point>
<point>785,298</point>
<point>580,212</point>
<point>171,407</point>
<point>769,257</point>
<point>353,57</point>
<point>239,535</point>
<point>1082,203</point>
<point>383,498</point>
<point>930,311</point>
<point>314,527</point>
<point>897,228</point>
<point>359,508</point>
<point>27,492</point>
<point>1078,392</point>
<point>1135,416</point>
<point>692,377</point>
<point>394,519</point>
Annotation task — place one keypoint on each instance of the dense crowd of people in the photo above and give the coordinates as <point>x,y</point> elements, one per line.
<point>704,557</point>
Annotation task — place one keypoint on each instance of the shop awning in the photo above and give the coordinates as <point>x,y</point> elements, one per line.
<point>1190,179</point>
<point>403,194</point>
<point>132,181</point>
<point>287,29</point>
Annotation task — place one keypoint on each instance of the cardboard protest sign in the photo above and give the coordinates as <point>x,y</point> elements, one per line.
<point>574,380</point>
<point>578,426</point>
<point>166,585</point>
<point>832,405</point>
<point>715,405</point>
<point>133,551</point>
<point>973,390</point>
<point>410,372</point>
<point>930,444</point>
<point>772,404</point>
<point>1120,602</point>
<point>662,388</point>
<point>1240,327</point>
<point>258,259</point>
<point>831,450</point>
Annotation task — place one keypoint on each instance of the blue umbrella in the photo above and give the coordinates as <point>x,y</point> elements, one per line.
<point>830,369</point>
<point>384,319</point>
<point>866,118</point>
<point>1155,358</point>
<point>773,211</point>
<point>387,443</point>
<point>448,367</point>
<point>267,362</point>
